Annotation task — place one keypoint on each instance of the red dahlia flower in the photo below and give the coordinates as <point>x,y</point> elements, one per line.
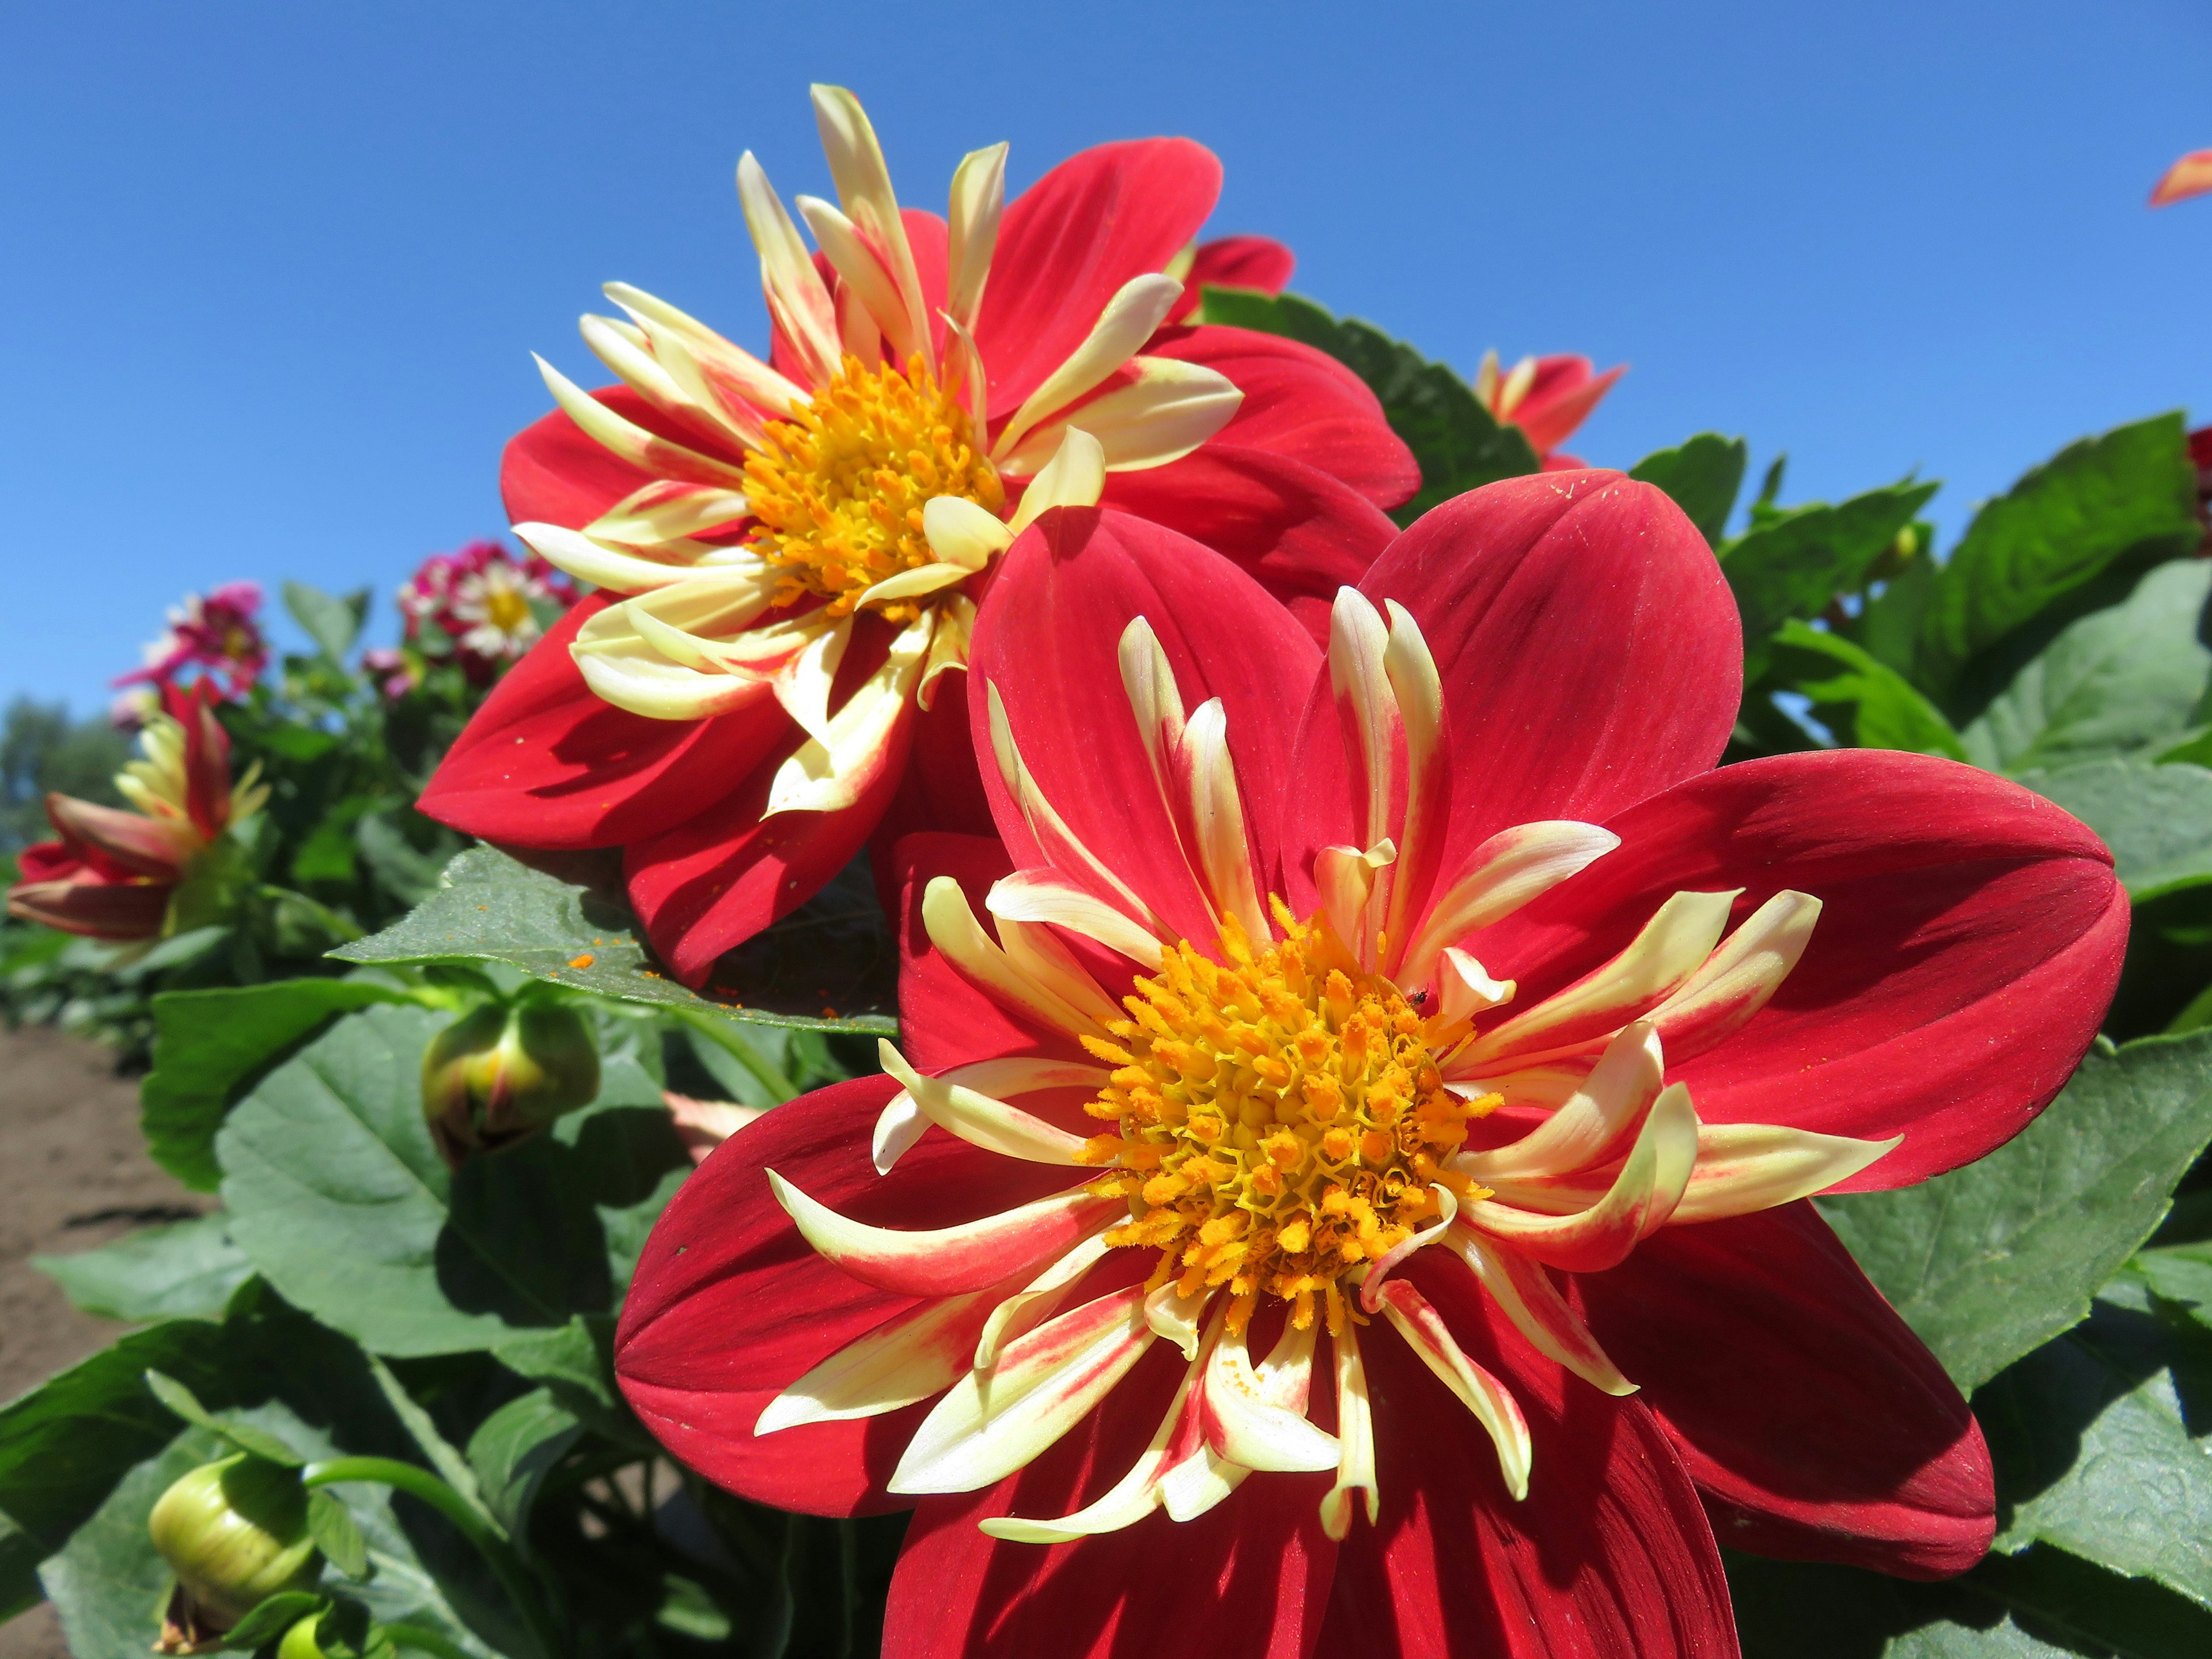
<point>1255,262</point>
<point>486,600</point>
<point>214,632</point>
<point>1396,1075</point>
<point>804,544</point>
<point>112,874</point>
<point>1547,397</point>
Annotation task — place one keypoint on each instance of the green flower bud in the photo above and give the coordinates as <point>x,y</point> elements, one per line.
<point>300,1641</point>
<point>501,1074</point>
<point>234,1532</point>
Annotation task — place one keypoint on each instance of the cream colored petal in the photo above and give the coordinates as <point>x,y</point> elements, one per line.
<point>1379,1271</point>
<point>953,929</point>
<point>941,1261</point>
<point>1355,1436</point>
<point>618,569</point>
<point>1736,980</point>
<point>1167,410</point>
<point>832,772</point>
<point>739,379</point>
<point>646,451</point>
<point>1200,1478</point>
<point>1368,708</point>
<point>866,279</point>
<point>964,376</point>
<point>979,197</point>
<point>1245,1426</point>
<point>980,1121</point>
<point>1588,1126</point>
<point>1505,872</point>
<point>1494,1407</point>
<point>913,584</point>
<point>857,333</point>
<point>798,300</point>
<point>666,511</point>
<point>1075,476</point>
<point>1037,953</point>
<point>1746,1167</point>
<point>1524,1292</point>
<point>803,683</point>
<point>1671,947</point>
<point>1418,694</point>
<point>963,534</point>
<point>1129,1500</point>
<point>948,646</point>
<point>1034,1302</point>
<point>920,1352</point>
<point>1347,879</point>
<point>992,1423</point>
<point>1060,845</point>
<point>901,1122</point>
<point>1037,896</point>
<point>1129,319</point>
<point>864,186</point>
<point>1175,1316</point>
<point>1465,989</point>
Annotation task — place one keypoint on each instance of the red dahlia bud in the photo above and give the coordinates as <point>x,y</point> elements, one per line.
<point>501,1074</point>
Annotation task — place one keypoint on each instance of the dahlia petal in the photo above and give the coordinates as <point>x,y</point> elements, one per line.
<point>803,676</point>
<point>740,380</point>
<point>992,1423</point>
<point>954,931</point>
<point>863,741</point>
<point>980,1121</point>
<point>1367,709</point>
<point>1379,1271</point>
<point>1121,330</point>
<point>1561,393</point>
<point>903,1122</point>
<point>1355,1438</point>
<point>1128,1500</point>
<point>1672,946</point>
<point>1345,878</point>
<point>1037,896</point>
<point>1075,476</point>
<point>131,910</point>
<point>1031,1306</point>
<point>1255,261</point>
<point>1167,410</point>
<point>963,534</point>
<point>1035,951</point>
<point>1817,1425</point>
<point>1610,1103</point>
<point>978,201</point>
<point>1301,404</point>
<point>1196,1478</point>
<point>1491,1402</point>
<point>626,350</point>
<point>665,511</point>
<point>903,1362</point>
<point>1524,1292</point>
<point>1510,869</point>
<point>1243,1425</point>
<point>1047,647</point>
<point>551,473</point>
<point>1075,238</point>
<point>1969,938</point>
<point>648,452</point>
<point>1465,988</point>
<point>863,185</point>
<point>546,762</point>
<point>1175,1316</point>
<point>143,846</point>
<point>630,673</point>
<point>1418,698</point>
<point>864,275</point>
<point>798,302</point>
<point>621,570</point>
<point>947,1260</point>
<point>1641,1199</point>
<point>1587,579</point>
<point>1746,1167</point>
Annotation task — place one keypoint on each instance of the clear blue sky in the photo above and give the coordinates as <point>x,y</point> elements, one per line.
<point>270,274</point>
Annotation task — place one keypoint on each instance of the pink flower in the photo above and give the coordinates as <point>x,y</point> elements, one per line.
<point>215,633</point>
<point>486,598</point>
<point>1547,397</point>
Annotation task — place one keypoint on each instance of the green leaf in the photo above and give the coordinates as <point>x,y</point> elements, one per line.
<point>210,1046</point>
<point>2091,1435</point>
<point>1457,443</point>
<point>2181,1274</point>
<point>1793,563</point>
<point>331,1524</point>
<point>1867,704</point>
<point>2126,682</point>
<point>1988,1261</point>
<point>451,1468</point>
<point>514,1448</point>
<point>19,1570</point>
<point>339,1198</point>
<point>2125,500</point>
<point>332,623</point>
<point>2156,818</point>
<point>495,908</point>
<point>2042,1604</point>
<point>187,1269</point>
<point>410,874</point>
<point>1703,475</point>
<point>743,1061</point>
<point>576,1362</point>
<point>181,1400</point>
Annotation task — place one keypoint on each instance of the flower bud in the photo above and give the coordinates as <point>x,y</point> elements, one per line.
<point>234,1532</point>
<point>300,1641</point>
<point>501,1074</point>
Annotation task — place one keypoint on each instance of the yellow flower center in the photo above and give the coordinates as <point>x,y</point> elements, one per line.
<point>506,607</point>
<point>1282,1121</point>
<point>837,491</point>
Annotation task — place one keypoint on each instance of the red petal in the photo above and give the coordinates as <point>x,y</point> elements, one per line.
<point>1818,1426</point>
<point>730,1306</point>
<point>94,908</point>
<point>545,763</point>
<point>1254,262</point>
<point>1969,944</point>
<point>1559,399</point>
<point>941,791</point>
<point>1524,589</point>
<point>1609,1556</point>
<point>1294,529</point>
<point>1069,241</point>
<point>1302,403</point>
<point>551,473</point>
<point>48,860</point>
<point>1048,640</point>
<point>1247,1578</point>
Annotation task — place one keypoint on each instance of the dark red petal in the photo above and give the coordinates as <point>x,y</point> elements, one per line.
<point>730,1306</point>
<point>1069,241</point>
<point>48,860</point>
<point>1590,651</point>
<point>1047,639</point>
<point>1295,529</point>
<point>1250,1577</point>
<point>551,473</point>
<point>1969,943</point>
<point>545,763</point>
<point>1608,1557</point>
<point>1257,262</point>
<point>93,908</point>
<point>1818,1426</point>
<point>1302,403</point>
<point>941,791</point>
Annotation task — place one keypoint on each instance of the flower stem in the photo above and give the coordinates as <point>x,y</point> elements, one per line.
<point>472,1523</point>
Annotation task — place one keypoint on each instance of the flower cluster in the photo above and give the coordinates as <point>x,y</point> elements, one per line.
<point>114,874</point>
<point>487,600</point>
<point>215,633</point>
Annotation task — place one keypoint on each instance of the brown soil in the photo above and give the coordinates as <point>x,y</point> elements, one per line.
<point>73,1173</point>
